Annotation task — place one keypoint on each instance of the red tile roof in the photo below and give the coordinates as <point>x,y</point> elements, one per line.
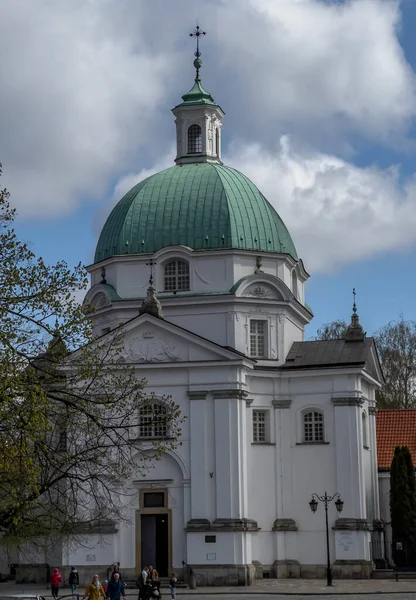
<point>395,428</point>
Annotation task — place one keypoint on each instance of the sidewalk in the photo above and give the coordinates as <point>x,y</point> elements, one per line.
<point>287,587</point>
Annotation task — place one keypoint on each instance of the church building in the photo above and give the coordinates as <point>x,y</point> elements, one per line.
<point>270,418</point>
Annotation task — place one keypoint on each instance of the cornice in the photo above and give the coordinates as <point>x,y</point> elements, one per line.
<point>229,394</point>
<point>197,394</point>
<point>348,401</point>
<point>282,402</point>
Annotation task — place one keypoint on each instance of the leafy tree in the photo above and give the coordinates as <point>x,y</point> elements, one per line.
<point>332,331</point>
<point>69,405</point>
<point>403,507</point>
<point>396,345</point>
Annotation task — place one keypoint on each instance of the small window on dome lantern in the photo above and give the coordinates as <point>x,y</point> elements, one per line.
<point>194,139</point>
<point>217,142</point>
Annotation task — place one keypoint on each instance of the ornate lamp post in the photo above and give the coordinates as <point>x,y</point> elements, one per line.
<point>339,504</point>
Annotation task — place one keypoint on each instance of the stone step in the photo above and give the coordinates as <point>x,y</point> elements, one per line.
<point>164,583</point>
<point>382,574</point>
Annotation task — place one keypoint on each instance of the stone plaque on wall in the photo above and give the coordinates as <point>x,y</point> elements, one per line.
<point>346,541</point>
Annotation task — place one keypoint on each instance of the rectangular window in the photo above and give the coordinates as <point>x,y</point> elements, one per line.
<point>313,427</point>
<point>260,426</point>
<point>258,338</point>
<point>154,500</point>
<point>210,539</point>
<point>153,421</point>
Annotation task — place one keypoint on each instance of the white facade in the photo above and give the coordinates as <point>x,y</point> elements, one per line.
<point>250,494</point>
<point>269,419</point>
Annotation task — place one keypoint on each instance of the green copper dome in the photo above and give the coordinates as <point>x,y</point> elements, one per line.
<point>203,206</point>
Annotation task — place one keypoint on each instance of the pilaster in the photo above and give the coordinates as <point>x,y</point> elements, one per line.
<point>351,531</point>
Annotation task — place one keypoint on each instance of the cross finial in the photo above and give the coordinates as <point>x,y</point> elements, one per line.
<point>151,264</point>
<point>354,306</point>
<point>197,32</point>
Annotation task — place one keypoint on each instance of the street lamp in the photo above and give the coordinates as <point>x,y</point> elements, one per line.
<point>339,505</point>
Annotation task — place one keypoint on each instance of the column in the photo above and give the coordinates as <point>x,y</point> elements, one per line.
<point>285,563</point>
<point>352,537</point>
<point>198,426</point>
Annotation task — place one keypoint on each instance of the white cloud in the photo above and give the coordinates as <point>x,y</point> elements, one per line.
<point>87,85</point>
<point>320,67</point>
<point>336,212</point>
<point>78,98</point>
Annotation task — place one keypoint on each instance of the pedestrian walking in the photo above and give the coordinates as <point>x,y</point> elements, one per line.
<point>116,570</point>
<point>56,580</point>
<point>95,590</point>
<point>73,581</point>
<point>172,585</point>
<point>115,589</point>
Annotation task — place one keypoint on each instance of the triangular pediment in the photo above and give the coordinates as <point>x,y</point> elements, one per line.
<point>148,339</point>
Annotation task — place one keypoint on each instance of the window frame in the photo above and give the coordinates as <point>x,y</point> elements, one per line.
<point>194,139</point>
<point>255,423</point>
<point>257,355</point>
<point>295,284</point>
<point>157,432</point>
<point>313,438</point>
<point>176,276</point>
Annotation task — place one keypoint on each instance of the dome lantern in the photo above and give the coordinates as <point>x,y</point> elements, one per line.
<point>198,120</point>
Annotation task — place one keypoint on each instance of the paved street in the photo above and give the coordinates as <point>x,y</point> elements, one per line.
<point>305,596</point>
<point>282,589</point>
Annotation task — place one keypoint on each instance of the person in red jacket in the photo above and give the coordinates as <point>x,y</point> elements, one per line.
<point>56,580</point>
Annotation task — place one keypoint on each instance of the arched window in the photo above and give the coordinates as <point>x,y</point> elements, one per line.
<point>294,284</point>
<point>217,142</point>
<point>364,426</point>
<point>313,426</point>
<point>194,139</point>
<point>153,421</point>
<point>176,276</point>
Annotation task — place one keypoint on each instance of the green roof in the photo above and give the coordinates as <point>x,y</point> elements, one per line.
<point>204,206</point>
<point>197,95</point>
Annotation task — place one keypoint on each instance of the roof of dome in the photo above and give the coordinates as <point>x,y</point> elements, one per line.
<point>204,206</point>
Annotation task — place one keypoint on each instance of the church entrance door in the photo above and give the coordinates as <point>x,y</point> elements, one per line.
<point>155,542</point>
<point>153,532</point>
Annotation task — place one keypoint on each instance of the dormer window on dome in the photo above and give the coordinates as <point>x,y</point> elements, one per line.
<point>194,139</point>
<point>176,276</point>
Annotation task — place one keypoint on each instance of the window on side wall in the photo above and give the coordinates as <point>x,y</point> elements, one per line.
<point>261,427</point>
<point>176,276</point>
<point>258,338</point>
<point>313,426</point>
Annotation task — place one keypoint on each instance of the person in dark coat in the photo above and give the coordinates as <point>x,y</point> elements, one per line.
<point>116,570</point>
<point>115,589</point>
<point>73,580</point>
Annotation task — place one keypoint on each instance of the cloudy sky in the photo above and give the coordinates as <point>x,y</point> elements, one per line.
<point>320,102</point>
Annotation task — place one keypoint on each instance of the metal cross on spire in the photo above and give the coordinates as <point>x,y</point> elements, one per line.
<point>151,264</point>
<point>197,62</point>
<point>354,306</point>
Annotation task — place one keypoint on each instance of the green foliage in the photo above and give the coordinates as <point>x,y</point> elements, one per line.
<point>403,507</point>
<point>69,405</point>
